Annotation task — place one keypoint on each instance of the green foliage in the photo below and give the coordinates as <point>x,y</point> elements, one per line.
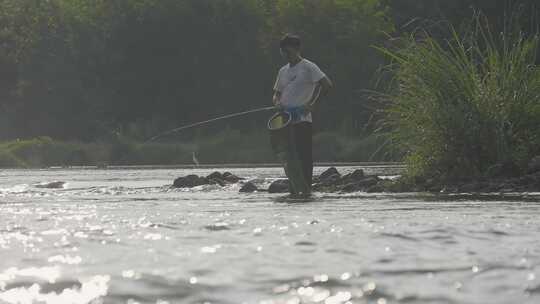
<point>227,146</point>
<point>8,160</point>
<point>81,69</point>
<point>461,106</point>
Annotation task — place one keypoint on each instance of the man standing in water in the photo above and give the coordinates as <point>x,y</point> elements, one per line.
<point>298,87</point>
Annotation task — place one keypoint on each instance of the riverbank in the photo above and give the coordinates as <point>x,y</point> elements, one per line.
<point>252,149</point>
<point>332,181</point>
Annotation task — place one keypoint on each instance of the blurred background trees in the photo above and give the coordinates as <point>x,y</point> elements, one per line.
<point>89,69</point>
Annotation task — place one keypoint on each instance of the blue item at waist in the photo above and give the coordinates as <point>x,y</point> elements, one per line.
<point>296,113</point>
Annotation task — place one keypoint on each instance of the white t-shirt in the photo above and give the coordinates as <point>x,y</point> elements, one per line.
<point>297,84</point>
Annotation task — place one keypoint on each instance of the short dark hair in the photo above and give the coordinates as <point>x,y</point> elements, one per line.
<point>290,40</point>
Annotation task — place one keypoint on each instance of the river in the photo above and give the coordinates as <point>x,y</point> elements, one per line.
<point>124,236</point>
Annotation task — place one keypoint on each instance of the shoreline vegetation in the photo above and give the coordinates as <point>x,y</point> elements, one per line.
<point>458,101</point>
<point>466,110</point>
<point>226,147</point>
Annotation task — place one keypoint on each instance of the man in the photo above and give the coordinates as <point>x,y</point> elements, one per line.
<point>298,87</point>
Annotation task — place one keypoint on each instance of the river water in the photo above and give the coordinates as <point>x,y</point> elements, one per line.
<point>124,236</point>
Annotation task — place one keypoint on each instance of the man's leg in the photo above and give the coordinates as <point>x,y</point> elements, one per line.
<point>303,133</point>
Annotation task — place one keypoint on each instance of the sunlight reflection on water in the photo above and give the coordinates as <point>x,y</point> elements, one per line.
<point>133,239</point>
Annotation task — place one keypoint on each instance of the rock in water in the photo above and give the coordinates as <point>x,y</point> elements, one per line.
<point>231,178</point>
<point>51,185</point>
<point>361,185</point>
<point>248,187</point>
<point>357,175</point>
<point>369,181</point>
<point>190,181</point>
<point>215,175</point>
<point>329,172</point>
<point>216,181</point>
<point>279,186</point>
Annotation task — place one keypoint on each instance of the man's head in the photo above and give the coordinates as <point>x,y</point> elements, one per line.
<point>290,46</point>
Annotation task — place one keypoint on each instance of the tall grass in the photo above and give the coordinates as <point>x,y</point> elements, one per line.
<point>457,107</point>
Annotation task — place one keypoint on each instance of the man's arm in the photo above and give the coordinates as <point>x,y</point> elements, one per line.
<point>276,98</point>
<point>323,87</point>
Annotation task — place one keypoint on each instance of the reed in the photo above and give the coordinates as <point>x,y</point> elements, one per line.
<point>458,106</point>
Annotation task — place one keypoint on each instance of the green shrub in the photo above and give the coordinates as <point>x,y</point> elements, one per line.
<point>8,160</point>
<point>457,107</point>
<point>31,151</point>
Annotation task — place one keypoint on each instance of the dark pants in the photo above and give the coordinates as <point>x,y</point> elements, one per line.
<point>303,138</point>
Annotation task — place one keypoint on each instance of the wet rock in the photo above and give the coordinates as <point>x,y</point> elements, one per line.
<point>231,178</point>
<point>279,186</point>
<point>216,181</point>
<point>369,181</point>
<point>329,172</point>
<point>361,185</point>
<point>334,179</point>
<point>357,174</point>
<point>321,187</point>
<point>190,181</point>
<point>248,187</point>
<point>378,188</point>
<point>217,227</point>
<point>534,165</point>
<point>352,187</point>
<point>51,185</point>
<point>215,175</point>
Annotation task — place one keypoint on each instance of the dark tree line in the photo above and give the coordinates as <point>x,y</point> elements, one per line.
<point>85,69</point>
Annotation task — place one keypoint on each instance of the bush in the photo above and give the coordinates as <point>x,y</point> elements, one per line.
<point>8,160</point>
<point>458,107</point>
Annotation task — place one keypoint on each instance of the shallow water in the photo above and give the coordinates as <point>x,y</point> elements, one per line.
<point>124,236</point>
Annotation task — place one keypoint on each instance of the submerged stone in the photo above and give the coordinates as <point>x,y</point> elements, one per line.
<point>231,178</point>
<point>279,186</point>
<point>215,175</point>
<point>190,181</point>
<point>328,173</point>
<point>51,185</point>
<point>357,175</point>
<point>216,181</point>
<point>248,187</point>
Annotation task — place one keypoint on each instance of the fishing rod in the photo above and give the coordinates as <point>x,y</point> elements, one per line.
<point>209,121</point>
